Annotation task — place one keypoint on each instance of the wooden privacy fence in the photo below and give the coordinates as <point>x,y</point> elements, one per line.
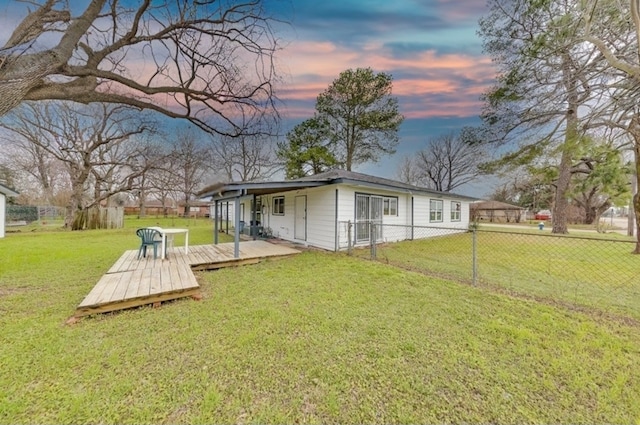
<point>103,218</point>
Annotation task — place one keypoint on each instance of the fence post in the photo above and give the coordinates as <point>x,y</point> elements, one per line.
<point>349,237</point>
<point>372,239</point>
<point>474,254</point>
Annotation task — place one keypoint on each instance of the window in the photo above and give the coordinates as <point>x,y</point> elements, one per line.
<point>390,206</point>
<point>278,205</point>
<point>435,210</point>
<point>455,211</point>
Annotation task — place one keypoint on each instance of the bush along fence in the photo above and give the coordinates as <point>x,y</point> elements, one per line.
<point>573,271</point>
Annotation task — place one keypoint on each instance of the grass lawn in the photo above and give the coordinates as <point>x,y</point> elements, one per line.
<point>315,338</point>
<point>594,273</point>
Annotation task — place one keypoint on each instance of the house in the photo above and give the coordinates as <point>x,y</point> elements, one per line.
<point>332,209</point>
<point>496,212</point>
<point>196,209</point>
<point>4,193</point>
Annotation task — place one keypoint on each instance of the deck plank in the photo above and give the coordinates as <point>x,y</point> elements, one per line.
<point>144,285</point>
<point>110,286</point>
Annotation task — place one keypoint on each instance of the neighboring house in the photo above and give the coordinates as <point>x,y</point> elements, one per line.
<point>496,212</point>
<point>316,210</point>
<point>196,209</point>
<point>4,193</point>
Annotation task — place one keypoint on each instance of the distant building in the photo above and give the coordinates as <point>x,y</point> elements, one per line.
<point>496,212</point>
<point>5,192</point>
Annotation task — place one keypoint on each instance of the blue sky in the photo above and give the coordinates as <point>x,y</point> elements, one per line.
<point>430,47</point>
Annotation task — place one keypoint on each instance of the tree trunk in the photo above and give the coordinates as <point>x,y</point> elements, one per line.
<point>634,130</point>
<point>74,210</point>
<point>561,203</point>
<point>142,209</point>
<point>631,219</point>
<point>590,215</point>
<point>636,196</point>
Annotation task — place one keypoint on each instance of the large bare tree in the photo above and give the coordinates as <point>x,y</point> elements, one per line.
<point>244,158</point>
<point>190,162</point>
<point>95,144</point>
<point>447,162</point>
<point>208,61</point>
<point>35,168</point>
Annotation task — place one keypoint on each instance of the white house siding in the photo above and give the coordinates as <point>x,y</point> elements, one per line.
<point>3,210</point>
<point>347,199</point>
<point>428,228</point>
<point>321,215</point>
<point>320,220</point>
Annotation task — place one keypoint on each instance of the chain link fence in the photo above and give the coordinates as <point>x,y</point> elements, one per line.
<point>28,213</point>
<point>579,272</point>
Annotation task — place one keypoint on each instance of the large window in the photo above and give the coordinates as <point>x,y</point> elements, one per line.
<point>455,211</point>
<point>390,206</point>
<point>278,205</point>
<point>435,210</point>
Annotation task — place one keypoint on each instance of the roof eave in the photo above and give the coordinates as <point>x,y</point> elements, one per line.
<point>413,190</point>
<point>235,190</point>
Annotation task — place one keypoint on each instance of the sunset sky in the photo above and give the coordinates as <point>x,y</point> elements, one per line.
<point>430,47</point>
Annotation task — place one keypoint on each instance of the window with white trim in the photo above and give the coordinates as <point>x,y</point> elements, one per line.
<point>278,206</point>
<point>456,209</point>
<point>390,206</point>
<point>435,210</point>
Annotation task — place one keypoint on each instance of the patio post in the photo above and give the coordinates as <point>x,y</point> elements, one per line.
<point>236,246</point>
<point>215,223</point>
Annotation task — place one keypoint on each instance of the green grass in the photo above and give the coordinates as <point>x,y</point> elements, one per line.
<point>594,273</point>
<point>315,338</point>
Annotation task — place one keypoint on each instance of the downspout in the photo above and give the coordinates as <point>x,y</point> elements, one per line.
<point>412,217</point>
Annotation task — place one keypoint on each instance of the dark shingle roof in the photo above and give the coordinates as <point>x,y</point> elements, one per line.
<point>329,177</point>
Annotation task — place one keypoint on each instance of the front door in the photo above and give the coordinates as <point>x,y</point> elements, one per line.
<point>300,225</point>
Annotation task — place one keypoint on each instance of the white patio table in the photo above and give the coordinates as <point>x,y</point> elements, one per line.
<point>165,232</point>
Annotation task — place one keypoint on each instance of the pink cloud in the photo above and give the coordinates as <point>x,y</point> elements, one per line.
<point>428,84</point>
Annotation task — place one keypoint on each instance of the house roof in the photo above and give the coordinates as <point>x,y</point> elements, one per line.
<point>494,205</point>
<point>7,191</point>
<point>229,190</point>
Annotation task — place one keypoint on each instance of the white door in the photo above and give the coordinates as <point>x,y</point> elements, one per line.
<point>300,225</point>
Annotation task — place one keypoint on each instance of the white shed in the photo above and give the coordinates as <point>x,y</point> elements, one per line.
<point>4,193</point>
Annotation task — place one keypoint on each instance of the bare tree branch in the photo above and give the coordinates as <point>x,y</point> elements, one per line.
<point>208,62</point>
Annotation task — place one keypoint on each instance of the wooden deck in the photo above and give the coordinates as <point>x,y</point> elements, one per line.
<point>131,282</point>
